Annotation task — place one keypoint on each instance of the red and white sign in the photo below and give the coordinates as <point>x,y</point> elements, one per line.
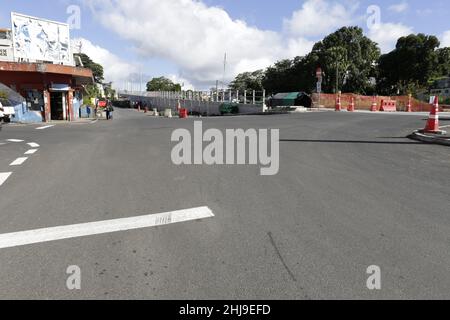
<point>319,73</point>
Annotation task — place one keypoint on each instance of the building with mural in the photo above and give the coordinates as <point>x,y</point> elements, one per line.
<point>36,62</point>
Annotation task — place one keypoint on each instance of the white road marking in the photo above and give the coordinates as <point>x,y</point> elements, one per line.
<point>18,161</point>
<point>45,127</point>
<point>95,121</point>
<point>31,151</point>
<point>33,145</point>
<point>16,239</point>
<point>4,176</point>
<point>14,140</point>
<point>445,126</point>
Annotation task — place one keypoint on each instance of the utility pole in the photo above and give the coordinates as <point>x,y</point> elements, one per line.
<point>224,70</point>
<point>337,77</point>
<point>217,90</point>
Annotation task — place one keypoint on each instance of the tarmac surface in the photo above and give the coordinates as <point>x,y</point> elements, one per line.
<point>352,191</point>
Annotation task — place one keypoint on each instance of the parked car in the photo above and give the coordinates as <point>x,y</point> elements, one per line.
<point>6,110</point>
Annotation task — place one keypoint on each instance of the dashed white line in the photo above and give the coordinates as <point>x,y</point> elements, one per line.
<point>14,140</point>
<point>4,176</point>
<point>33,145</point>
<point>15,239</point>
<point>45,127</point>
<point>31,151</point>
<point>19,161</point>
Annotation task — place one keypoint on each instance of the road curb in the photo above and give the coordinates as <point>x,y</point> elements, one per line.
<point>429,139</point>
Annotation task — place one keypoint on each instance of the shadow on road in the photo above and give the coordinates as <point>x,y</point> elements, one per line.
<point>349,141</point>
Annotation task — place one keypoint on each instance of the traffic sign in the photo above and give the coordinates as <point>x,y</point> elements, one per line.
<point>319,73</point>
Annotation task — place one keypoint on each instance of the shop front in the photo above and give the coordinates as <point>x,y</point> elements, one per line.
<point>51,92</point>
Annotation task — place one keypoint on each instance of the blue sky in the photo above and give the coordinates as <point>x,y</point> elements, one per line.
<point>186,40</point>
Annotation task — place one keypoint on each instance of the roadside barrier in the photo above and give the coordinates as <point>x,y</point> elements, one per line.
<point>338,104</point>
<point>388,106</point>
<point>409,105</point>
<point>351,107</point>
<point>432,125</point>
<point>183,113</point>
<point>374,107</point>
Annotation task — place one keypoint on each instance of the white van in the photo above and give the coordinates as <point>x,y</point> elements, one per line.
<point>6,111</point>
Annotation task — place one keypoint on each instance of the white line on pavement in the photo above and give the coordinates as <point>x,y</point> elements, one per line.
<point>33,145</point>
<point>14,140</point>
<point>45,127</point>
<point>18,161</point>
<point>31,151</point>
<point>4,176</point>
<point>95,121</point>
<point>15,239</point>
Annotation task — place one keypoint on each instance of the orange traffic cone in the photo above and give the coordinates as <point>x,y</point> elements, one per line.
<point>351,107</point>
<point>409,106</point>
<point>433,119</point>
<point>338,103</point>
<point>374,107</point>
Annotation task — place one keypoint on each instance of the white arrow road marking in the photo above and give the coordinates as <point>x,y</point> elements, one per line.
<point>33,145</point>
<point>4,176</point>
<point>15,239</point>
<point>31,151</point>
<point>45,127</point>
<point>18,161</point>
<point>14,140</point>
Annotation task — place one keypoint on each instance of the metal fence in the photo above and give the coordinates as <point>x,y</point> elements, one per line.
<point>203,102</point>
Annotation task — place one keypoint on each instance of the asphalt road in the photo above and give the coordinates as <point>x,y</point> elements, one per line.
<point>351,192</point>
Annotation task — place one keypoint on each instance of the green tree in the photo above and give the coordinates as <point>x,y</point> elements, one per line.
<point>3,95</point>
<point>248,81</point>
<point>163,84</point>
<point>92,91</point>
<point>410,66</point>
<point>348,59</point>
<point>96,68</point>
<point>293,75</point>
<point>443,68</point>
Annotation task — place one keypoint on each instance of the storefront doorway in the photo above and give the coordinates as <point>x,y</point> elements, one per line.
<point>57,104</point>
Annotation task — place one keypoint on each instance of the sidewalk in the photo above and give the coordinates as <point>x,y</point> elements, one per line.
<point>431,138</point>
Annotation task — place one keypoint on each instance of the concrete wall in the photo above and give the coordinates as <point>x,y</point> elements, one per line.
<point>25,115</point>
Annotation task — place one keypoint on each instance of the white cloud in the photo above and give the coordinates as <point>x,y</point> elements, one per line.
<point>319,17</point>
<point>115,69</point>
<point>184,82</point>
<point>195,37</point>
<point>445,39</point>
<point>399,7</point>
<point>387,34</point>
<point>299,47</point>
<point>190,34</point>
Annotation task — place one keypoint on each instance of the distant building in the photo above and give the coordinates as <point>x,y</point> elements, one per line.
<point>36,62</point>
<point>6,48</point>
<point>441,88</point>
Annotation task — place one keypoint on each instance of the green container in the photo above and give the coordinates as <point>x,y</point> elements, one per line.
<point>229,108</point>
